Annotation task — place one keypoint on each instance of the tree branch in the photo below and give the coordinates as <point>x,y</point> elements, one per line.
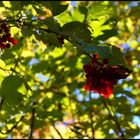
<point>17,60</point>
<point>67,38</point>
<point>1,21</point>
<point>4,69</point>
<point>32,120</point>
<point>14,126</point>
<point>91,120</point>
<point>1,103</point>
<point>57,132</point>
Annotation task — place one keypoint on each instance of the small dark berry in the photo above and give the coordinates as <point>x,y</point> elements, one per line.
<point>4,38</point>
<point>8,35</point>
<point>7,45</point>
<point>10,39</point>
<point>2,46</point>
<point>6,30</point>
<point>105,60</point>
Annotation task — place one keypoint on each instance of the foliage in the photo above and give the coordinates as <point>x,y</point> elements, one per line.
<point>42,77</point>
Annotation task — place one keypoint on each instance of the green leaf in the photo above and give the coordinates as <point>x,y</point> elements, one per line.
<point>102,50</point>
<point>1,4</point>
<point>7,55</point>
<point>7,4</point>
<point>51,24</point>
<point>77,15</point>
<point>55,6</point>
<point>27,31</point>
<point>112,20</point>
<point>112,53</point>
<point>78,28</point>
<point>135,12</point>
<point>106,34</point>
<point>40,67</point>
<point>132,129</point>
<point>119,89</point>
<point>50,39</point>
<point>16,5</point>
<point>2,64</point>
<point>83,10</point>
<point>116,57</point>
<point>74,25</point>
<point>97,9</point>
<point>58,8</point>
<point>53,40</point>
<point>9,89</point>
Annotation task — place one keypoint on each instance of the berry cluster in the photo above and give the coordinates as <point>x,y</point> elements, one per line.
<point>5,37</point>
<point>101,77</point>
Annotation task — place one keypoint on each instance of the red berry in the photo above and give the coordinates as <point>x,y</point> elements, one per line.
<point>96,56</point>
<point>4,38</point>
<point>10,39</point>
<point>97,78</point>
<point>8,35</point>
<point>87,67</point>
<point>14,42</point>
<point>2,46</point>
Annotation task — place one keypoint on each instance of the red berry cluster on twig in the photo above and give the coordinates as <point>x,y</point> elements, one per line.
<point>101,77</point>
<point>5,37</point>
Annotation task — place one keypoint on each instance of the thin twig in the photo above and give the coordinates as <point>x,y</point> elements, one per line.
<point>1,103</point>
<point>14,126</point>
<point>91,119</point>
<point>116,121</point>
<point>5,69</point>
<point>1,21</point>
<point>65,37</point>
<point>57,132</point>
<point>18,59</point>
<point>32,120</point>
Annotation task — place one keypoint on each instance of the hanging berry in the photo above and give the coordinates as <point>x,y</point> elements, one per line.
<point>101,77</point>
<point>5,37</point>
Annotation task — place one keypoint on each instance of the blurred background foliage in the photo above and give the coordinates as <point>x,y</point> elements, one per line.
<point>42,78</point>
